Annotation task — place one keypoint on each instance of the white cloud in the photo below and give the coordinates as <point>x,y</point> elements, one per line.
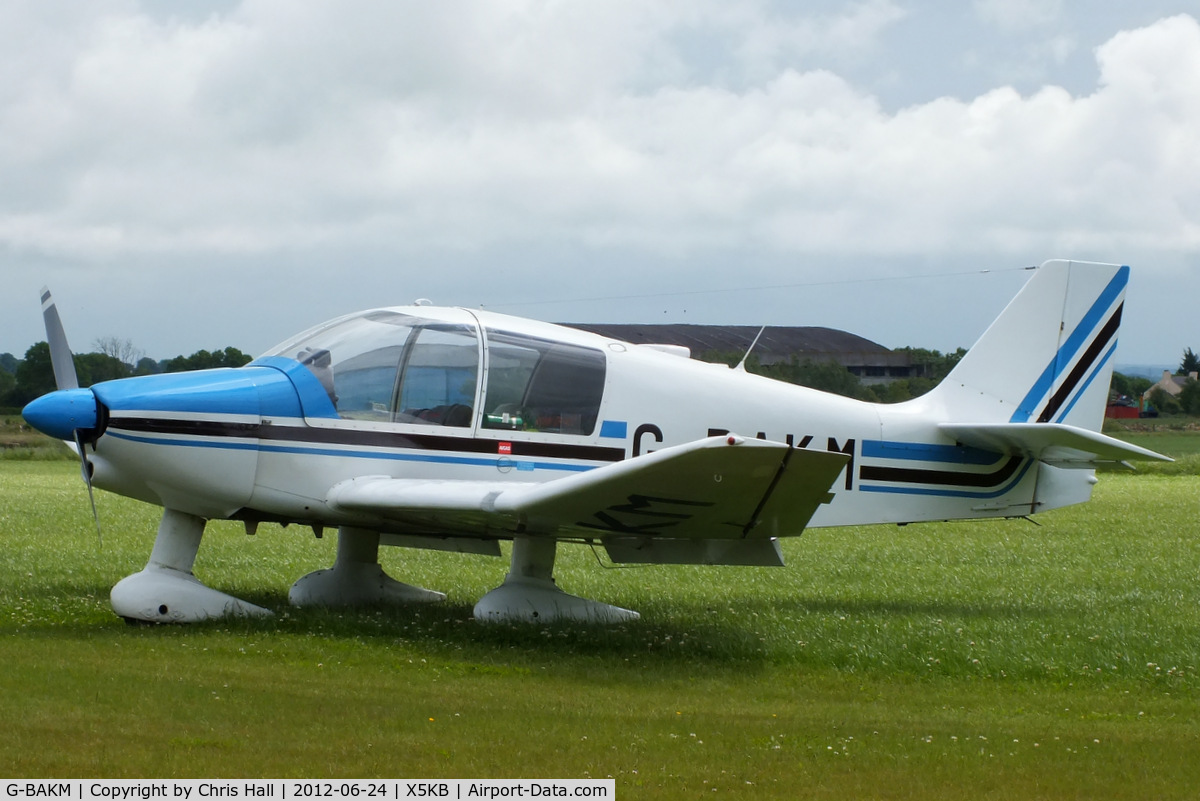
<point>769,43</point>
<point>1016,15</point>
<point>465,125</point>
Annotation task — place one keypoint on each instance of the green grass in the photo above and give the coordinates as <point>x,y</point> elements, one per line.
<point>969,660</point>
<point>21,443</point>
<point>1178,438</point>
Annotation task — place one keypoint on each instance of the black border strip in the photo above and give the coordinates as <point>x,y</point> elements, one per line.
<point>1081,369</point>
<point>908,475</point>
<point>367,439</point>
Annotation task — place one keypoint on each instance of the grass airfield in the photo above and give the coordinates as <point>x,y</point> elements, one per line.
<point>963,660</point>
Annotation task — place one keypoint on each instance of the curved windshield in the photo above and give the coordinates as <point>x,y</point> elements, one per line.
<point>391,367</point>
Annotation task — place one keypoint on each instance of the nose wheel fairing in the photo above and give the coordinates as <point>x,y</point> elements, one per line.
<point>166,591</point>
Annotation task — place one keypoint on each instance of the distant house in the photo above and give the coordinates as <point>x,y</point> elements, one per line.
<point>870,361</point>
<point>1123,406</point>
<point>1171,384</point>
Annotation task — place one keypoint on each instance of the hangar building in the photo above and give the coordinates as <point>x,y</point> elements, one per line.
<point>870,361</point>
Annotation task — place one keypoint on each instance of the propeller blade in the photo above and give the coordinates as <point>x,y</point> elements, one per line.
<point>87,479</point>
<point>60,352</point>
<point>52,406</point>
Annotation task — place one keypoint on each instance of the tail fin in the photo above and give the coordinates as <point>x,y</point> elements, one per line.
<point>1035,386</point>
<point>1048,357</point>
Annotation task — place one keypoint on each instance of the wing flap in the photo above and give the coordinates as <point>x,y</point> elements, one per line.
<point>1054,443</point>
<point>719,488</point>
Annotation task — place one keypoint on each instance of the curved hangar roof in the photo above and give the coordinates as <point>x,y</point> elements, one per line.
<point>778,343</point>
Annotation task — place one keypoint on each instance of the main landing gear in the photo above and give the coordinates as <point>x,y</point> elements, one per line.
<point>356,578</point>
<point>530,594</point>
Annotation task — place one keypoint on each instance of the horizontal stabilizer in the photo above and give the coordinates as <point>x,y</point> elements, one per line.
<point>1053,443</point>
<point>721,488</point>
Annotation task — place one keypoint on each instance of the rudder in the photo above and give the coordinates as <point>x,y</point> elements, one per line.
<point>1048,357</point>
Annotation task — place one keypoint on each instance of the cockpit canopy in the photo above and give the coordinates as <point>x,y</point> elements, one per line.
<point>394,367</point>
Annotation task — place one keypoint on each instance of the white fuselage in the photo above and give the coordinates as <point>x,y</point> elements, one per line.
<point>234,462</point>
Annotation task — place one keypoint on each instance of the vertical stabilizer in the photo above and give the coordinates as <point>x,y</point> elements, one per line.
<point>1048,357</point>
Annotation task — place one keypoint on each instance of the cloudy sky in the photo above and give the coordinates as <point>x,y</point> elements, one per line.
<point>199,174</point>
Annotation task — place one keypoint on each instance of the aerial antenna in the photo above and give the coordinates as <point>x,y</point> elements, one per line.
<point>742,364</point>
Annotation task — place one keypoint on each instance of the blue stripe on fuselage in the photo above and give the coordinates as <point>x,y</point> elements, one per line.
<point>925,452</point>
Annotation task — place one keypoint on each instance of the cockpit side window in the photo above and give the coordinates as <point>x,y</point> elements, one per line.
<point>437,385</point>
<point>538,385</point>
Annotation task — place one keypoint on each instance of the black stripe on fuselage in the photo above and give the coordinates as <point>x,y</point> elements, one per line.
<point>1090,356</point>
<point>908,475</point>
<point>367,439</point>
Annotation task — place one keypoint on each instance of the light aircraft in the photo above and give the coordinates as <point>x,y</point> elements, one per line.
<point>454,429</point>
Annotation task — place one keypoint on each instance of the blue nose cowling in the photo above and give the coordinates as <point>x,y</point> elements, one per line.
<point>63,412</point>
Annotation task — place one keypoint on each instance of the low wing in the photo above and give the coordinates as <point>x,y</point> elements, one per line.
<point>1054,443</point>
<point>710,489</point>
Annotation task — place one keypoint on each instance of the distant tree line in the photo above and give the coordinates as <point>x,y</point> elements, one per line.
<point>830,376</point>
<point>22,380</point>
